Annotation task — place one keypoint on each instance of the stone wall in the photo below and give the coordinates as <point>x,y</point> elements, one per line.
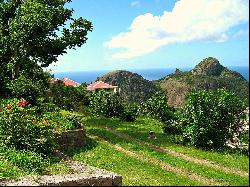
<point>72,139</point>
<point>85,175</point>
<point>67,180</point>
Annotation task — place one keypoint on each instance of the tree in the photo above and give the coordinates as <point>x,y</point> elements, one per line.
<point>157,107</point>
<point>210,118</point>
<point>33,33</point>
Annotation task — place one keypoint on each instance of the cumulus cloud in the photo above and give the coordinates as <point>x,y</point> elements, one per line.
<point>190,20</point>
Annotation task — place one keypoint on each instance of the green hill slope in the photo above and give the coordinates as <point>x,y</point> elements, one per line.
<point>208,74</point>
<point>134,88</point>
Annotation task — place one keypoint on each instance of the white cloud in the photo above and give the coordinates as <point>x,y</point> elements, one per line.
<point>135,3</point>
<point>190,20</point>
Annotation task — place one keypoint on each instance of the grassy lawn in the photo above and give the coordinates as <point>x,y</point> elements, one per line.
<point>142,126</point>
<point>103,155</point>
<point>134,171</point>
<point>201,170</point>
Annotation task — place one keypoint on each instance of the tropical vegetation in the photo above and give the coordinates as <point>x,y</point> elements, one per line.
<point>190,146</point>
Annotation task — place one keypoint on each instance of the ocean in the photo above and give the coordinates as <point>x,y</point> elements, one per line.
<point>149,74</point>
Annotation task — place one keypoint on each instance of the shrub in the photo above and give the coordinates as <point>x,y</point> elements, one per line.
<point>67,97</point>
<point>129,113</point>
<point>211,117</point>
<point>27,128</point>
<point>25,88</point>
<point>173,126</point>
<point>28,160</point>
<point>104,103</point>
<point>157,107</point>
<point>20,128</point>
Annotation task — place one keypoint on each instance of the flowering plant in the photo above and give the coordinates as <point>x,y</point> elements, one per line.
<point>22,103</point>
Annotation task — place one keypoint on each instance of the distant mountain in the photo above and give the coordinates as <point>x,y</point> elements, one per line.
<point>134,88</point>
<point>208,74</point>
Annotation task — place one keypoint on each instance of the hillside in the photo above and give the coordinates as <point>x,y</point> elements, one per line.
<point>134,88</point>
<point>208,74</point>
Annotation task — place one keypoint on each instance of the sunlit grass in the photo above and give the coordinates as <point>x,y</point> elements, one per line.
<point>202,170</point>
<point>140,129</point>
<point>134,172</point>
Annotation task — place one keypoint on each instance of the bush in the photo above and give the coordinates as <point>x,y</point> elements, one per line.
<point>129,113</point>
<point>172,127</point>
<point>27,160</point>
<point>157,107</point>
<point>244,137</point>
<point>20,129</point>
<point>25,88</point>
<point>104,103</point>
<point>67,97</point>
<point>211,117</point>
<point>27,128</point>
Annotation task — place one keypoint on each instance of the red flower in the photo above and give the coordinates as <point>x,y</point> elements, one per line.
<point>23,104</point>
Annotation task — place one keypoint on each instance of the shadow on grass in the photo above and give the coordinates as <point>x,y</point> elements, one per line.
<point>90,144</point>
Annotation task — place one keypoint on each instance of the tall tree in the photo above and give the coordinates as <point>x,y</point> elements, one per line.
<point>33,33</point>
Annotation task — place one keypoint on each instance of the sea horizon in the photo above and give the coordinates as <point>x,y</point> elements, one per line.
<point>88,76</point>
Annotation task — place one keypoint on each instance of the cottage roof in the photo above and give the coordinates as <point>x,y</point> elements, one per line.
<point>98,85</point>
<point>69,82</point>
<point>66,81</point>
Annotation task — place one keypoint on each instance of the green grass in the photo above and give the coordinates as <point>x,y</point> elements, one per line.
<point>16,163</point>
<point>140,129</point>
<point>133,171</point>
<point>8,170</point>
<point>204,171</point>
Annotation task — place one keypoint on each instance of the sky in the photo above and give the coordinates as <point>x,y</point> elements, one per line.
<point>146,34</point>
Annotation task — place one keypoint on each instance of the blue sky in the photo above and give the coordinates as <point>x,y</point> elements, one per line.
<point>144,34</point>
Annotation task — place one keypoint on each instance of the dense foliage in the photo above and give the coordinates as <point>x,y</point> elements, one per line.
<point>26,88</point>
<point>67,97</point>
<point>33,34</point>
<point>129,112</point>
<point>210,118</point>
<point>105,103</point>
<point>28,160</point>
<point>157,107</point>
<point>26,128</point>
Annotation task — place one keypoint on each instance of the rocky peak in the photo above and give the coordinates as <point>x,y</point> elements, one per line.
<point>209,66</point>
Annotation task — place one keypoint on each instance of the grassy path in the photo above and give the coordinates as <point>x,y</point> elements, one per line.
<point>141,127</point>
<point>135,172</point>
<point>178,171</point>
<point>201,170</point>
<point>180,155</point>
<point>143,161</point>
